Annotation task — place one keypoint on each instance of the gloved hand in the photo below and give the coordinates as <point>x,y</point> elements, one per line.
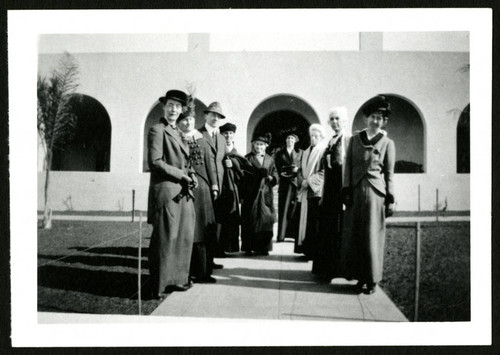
<point>228,163</point>
<point>194,184</point>
<point>186,180</point>
<point>389,210</point>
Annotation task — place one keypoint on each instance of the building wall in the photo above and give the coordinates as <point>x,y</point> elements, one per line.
<point>128,85</point>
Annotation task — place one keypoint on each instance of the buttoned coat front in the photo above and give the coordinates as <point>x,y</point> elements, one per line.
<point>216,154</point>
<point>368,177</point>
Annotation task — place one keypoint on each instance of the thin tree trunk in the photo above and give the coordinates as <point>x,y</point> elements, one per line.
<point>47,215</point>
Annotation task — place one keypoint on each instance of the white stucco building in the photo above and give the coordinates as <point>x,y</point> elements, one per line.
<point>263,81</point>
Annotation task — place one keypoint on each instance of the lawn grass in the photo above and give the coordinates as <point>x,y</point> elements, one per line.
<point>445,270</point>
<point>91,267</point>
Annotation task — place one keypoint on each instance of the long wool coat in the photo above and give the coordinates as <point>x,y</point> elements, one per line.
<point>257,209</point>
<point>368,175</point>
<point>229,201</point>
<point>216,154</point>
<point>310,170</point>
<point>327,255</point>
<point>205,227</point>
<point>170,208</point>
<point>287,194</point>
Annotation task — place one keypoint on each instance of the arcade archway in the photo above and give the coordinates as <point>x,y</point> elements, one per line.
<point>89,149</point>
<point>280,115</point>
<point>154,117</point>
<point>406,128</point>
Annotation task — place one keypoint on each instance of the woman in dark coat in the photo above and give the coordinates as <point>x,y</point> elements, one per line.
<point>257,210</point>
<point>325,263</point>
<point>369,197</point>
<point>235,166</point>
<point>288,163</point>
<point>205,227</point>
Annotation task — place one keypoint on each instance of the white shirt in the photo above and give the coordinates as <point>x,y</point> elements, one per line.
<point>211,130</point>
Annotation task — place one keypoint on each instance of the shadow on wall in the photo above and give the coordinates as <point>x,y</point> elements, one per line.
<point>406,128</point>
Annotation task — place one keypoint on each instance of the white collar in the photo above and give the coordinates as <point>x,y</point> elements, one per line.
<point>211,129</point>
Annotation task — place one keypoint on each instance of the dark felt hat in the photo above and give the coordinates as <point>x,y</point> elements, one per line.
<point>227,127</point>
<point>176,95</point>
<point>377,104</point>
<point>215,107</point>
<point>262,137</point>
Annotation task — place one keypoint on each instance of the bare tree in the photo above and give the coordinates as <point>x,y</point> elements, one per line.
<point>56,118</point>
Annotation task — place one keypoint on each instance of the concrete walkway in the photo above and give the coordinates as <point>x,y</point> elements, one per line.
<point>278,286</point>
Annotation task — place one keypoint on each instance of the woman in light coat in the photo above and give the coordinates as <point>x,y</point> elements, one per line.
<point>310,179</point>
<point>369,196</point>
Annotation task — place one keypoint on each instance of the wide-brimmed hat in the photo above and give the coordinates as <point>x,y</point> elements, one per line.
<point>262,137</point>
<point>377,104</point>
<point>228,127</point>
<point>176,95</point>
<point>216,108</point>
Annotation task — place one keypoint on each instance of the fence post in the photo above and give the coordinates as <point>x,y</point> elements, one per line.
<point>139,263</point>
<point>133,204</point>
<point>437,205</point>
<point>417,270</point>
<point>418,197</point>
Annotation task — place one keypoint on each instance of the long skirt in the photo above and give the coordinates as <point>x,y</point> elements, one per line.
<point>363,238</point>
<point>171,245</point>
<point>286,213</point>
<point>310,243</point>
<point>205,233</point>
<point>230,233</point>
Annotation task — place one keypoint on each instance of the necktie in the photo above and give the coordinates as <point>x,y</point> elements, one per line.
<point>214,138</point>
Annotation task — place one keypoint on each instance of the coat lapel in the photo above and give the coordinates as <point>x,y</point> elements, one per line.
<point>175,135</point>
<point>209,139</point>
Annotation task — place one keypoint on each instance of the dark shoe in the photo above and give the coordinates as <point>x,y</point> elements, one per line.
<point>178,288</point>
<point>248,253</point>
<point>370,288</point>
<point>262,253</point>
<point>217,266</point>
<point>360,287</point>
<point>206,280</point>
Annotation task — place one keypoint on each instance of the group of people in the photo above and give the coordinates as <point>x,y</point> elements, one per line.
<point>203,192</point>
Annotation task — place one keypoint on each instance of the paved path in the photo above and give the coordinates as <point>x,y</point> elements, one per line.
<point>278,286</point>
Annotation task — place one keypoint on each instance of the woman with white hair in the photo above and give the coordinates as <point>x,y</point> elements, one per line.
<point>325,263</point>
<point>310,179</point>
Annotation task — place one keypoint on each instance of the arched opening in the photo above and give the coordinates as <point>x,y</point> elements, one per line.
<point>406,128</point>
<point>154,117</point>
<point>90,147</point>
<point>463,142</point>
<point>280,115</point>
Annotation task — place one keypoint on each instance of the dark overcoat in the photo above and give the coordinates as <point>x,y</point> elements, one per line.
<point>170,208</point>
<point>257,205</point>
<point>327,255</point>
<point>229,201</point>
<point>287,193</point>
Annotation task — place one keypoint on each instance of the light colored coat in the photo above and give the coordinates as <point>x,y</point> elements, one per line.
<point>310,171</point>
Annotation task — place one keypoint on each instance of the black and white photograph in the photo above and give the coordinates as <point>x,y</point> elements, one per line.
<point>250,177</point>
